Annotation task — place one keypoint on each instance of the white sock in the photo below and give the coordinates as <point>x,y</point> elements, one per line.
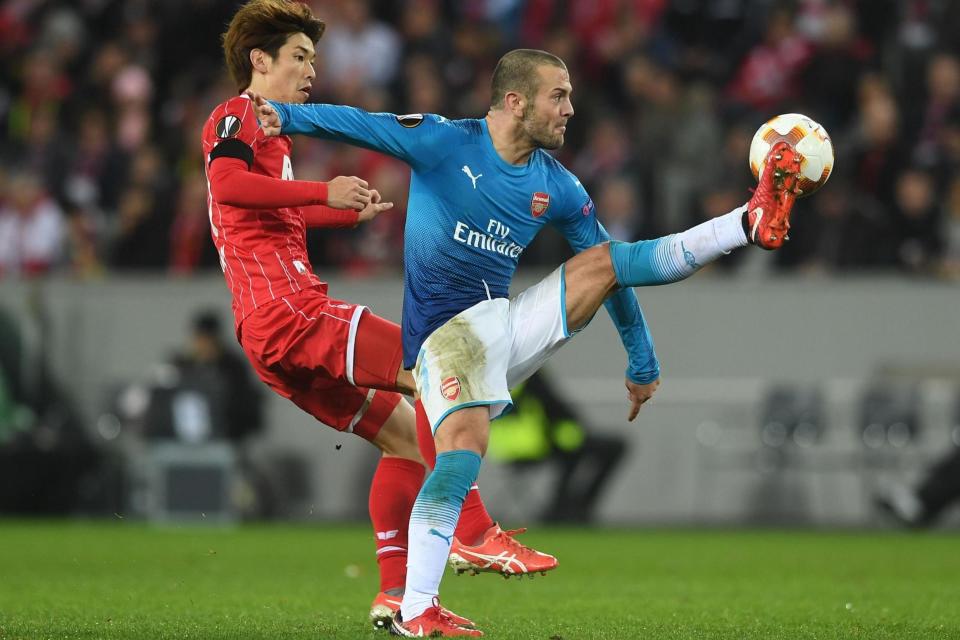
<point>427,551</point>
<point>433,520</point>
<point>728,230</point>
<point>680,255</point>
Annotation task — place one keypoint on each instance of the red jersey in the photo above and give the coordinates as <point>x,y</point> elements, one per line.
<point>262,245</point>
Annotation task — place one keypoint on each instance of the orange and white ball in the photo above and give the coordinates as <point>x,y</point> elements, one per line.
<point>807,137</point>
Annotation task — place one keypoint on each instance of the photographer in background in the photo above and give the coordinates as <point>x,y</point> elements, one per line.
<point>544,428</point>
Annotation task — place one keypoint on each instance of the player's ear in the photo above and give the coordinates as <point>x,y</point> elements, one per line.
<point>260,60</point>
<point>515,103</point>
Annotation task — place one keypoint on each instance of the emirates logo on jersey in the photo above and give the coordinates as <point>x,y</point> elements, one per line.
<point>539,204</point>
<point>450,388</point>
<point>228,127</point>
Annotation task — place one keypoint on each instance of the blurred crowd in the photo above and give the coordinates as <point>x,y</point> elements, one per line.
<point>102,102</point>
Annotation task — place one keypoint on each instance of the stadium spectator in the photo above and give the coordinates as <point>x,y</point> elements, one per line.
<point>362,50</point>
<point>619,208</point>
<point>917,223</point>
<point>943,99</point>
<point>545,428</point>
<point>207,353</point>
<point>883,76</point>
<point>32,228</point>
<point>767,77</point>
<point>142,224</point>
<point>839,55</point>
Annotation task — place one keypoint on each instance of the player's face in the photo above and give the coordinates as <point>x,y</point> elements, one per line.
<point>545,119</point>
<point>290,75</point>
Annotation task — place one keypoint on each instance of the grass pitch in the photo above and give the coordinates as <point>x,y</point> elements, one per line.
<point>120,580</point>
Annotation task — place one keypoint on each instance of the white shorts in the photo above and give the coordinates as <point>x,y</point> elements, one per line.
<point>477,356</point>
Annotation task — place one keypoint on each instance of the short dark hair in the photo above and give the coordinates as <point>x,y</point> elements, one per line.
<point>517,71</point>
<point>207,323</point>
<point>265,25</point>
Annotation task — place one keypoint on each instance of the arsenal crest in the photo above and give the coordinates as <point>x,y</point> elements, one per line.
<point>450,388</point>
<point>539,204</point>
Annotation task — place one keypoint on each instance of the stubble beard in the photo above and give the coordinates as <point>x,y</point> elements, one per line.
<point>538,132</point>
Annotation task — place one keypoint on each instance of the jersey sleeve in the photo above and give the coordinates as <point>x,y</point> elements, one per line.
<point>235,130</point>
<point>322,216</point>
<point>577,221</point>
<point>418,139</point>
<point>232,183</point>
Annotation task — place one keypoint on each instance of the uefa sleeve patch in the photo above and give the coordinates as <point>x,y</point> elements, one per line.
<point>410,120</point>
<point>587,207</point>
<point>228,127</point>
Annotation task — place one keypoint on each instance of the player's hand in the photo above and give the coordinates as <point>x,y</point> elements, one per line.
<point>266,114</point>
<point>639,394</point>
<point>348,192</point>
<point>375,207</point>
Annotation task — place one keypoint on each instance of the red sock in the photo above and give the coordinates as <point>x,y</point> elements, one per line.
<point>474,519</point>
<point>395,486</point>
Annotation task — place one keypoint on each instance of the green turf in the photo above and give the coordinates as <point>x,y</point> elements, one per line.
<point>121,580</point>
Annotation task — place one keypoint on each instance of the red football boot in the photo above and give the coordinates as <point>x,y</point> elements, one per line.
<point>499,552</point>
<point>435,622</point>
<point>769,209</point>
<point>385,607</point>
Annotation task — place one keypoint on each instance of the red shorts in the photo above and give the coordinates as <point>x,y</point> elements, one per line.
<point>304,347</point>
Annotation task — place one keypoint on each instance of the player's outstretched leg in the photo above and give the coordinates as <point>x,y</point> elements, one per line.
<point>594,274</point>
<point>479,544</point>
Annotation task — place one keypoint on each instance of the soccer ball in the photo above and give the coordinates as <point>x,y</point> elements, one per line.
<point>807,137</point>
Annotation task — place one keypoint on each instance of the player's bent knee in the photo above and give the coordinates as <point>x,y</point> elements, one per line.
<point>465,429</point>
<point>398,435</point>
<point>590,280</point>
<point>593,264</point>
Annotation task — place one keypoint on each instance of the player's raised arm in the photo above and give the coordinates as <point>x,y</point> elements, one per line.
<point>232,143</point>
<point>417,139</point>
<point>582,230</point>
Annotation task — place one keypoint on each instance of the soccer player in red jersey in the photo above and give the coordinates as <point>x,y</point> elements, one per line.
<point>335,360</point>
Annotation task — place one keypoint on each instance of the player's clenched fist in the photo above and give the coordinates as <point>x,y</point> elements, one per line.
<point>348,192</point>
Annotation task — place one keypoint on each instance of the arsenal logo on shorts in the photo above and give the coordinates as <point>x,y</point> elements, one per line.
<point>539,204</point>
<point>450,388</point>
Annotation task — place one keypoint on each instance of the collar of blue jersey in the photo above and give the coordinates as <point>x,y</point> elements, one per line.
<point>498,161</point>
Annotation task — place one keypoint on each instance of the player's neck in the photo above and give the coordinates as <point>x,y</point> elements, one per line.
<point>262,88</point>
<point>508,140</point>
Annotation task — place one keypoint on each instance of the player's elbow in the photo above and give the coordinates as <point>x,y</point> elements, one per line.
<point>224,182</point>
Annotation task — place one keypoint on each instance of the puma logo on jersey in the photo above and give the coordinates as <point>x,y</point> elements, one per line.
<point>473,178</point>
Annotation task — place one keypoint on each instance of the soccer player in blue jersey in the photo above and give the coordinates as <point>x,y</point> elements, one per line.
<point>480,191</point>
